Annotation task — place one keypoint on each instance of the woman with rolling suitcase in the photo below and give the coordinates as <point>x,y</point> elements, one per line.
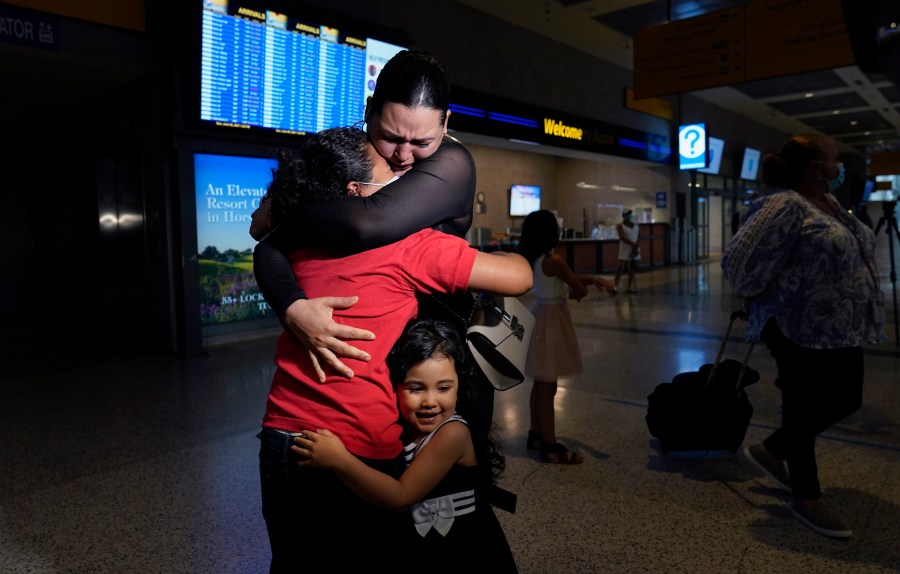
<point>807,269</point>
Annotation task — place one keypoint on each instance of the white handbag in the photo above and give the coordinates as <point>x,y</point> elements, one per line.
<point>498,338</point>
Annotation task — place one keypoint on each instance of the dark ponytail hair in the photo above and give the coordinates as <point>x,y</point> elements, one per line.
<point>414,79</point>
<point>540,235</point>
<point>425,339</point>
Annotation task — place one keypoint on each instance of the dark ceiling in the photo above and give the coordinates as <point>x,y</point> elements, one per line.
<point>857,105</point>
<point>837,107</point>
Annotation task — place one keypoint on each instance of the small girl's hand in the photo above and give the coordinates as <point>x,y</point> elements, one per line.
<point>605,285</point>
<point>578,296</point>
<point>320,448</point>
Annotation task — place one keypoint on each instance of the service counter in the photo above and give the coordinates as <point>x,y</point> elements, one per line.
<point>602,255</point>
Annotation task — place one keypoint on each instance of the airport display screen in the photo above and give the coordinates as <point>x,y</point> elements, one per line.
<point>750,165</point>
<point>265,70</point>
<point>523,199</point>
<point>227,190</point>
<point>715,156</point>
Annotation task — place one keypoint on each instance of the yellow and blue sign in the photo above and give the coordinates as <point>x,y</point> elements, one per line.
<point>692,146</point>
<point>478,113</point>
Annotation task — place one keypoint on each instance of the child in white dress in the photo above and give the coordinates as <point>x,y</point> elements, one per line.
<point>553,352</point>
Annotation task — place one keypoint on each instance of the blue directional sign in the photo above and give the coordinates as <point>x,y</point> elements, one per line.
<point>692,146</point>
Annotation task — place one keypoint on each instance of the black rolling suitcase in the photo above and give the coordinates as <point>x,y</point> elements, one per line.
<point>704,413</point>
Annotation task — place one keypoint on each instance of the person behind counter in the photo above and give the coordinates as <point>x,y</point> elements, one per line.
<point>629,250</point>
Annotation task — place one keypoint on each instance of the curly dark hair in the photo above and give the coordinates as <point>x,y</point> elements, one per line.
<point>540,235</point>
<point>424,339</point>
<point>320,169</point>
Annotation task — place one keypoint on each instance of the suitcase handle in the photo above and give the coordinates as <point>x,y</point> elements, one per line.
<point>735,315</point>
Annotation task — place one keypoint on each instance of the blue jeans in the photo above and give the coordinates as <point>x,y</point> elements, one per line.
<point>312,518</point>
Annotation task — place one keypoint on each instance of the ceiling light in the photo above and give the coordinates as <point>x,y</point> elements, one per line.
<point>835,112</point>
<point>808,95</point>
<point>583,185</point>
<point>853,123</point>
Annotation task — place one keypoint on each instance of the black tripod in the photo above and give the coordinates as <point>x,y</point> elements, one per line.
<point>890,222</point>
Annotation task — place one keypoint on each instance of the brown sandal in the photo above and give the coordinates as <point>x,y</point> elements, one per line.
<point>556,453</point>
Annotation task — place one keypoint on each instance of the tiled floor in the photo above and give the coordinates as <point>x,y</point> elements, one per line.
<point>149,464</point>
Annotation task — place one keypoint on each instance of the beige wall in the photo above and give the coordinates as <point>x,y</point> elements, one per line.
<point>498,168</point>
<point>575,203</point>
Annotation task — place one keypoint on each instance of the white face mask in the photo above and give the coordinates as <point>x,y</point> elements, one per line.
<point>388,182</point>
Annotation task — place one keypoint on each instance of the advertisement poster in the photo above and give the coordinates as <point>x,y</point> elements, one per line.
<point>228,189</point>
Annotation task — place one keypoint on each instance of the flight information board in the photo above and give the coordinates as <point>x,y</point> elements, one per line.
<point>264,69</point>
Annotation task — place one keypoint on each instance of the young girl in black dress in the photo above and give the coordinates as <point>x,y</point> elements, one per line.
<point>452,465</point>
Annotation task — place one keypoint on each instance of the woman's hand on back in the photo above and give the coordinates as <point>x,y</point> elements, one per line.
<point>311,322</point>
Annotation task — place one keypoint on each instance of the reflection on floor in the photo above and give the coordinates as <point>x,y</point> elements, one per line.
<point>149,464</point>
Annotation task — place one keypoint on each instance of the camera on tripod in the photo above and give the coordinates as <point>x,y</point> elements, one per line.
<point>890,223</point>
<point>887,209</point>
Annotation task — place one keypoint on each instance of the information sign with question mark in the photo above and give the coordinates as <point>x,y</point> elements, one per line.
<point>692,146</point>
